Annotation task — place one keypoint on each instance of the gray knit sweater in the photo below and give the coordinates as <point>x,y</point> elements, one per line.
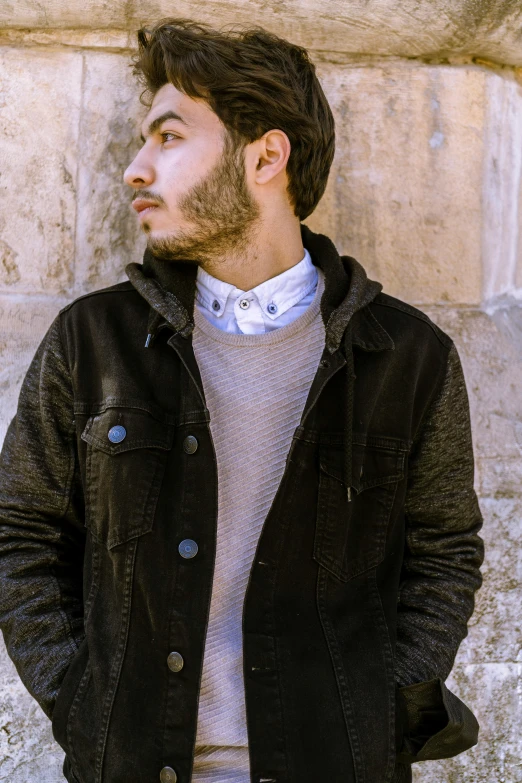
<point>256,387</point>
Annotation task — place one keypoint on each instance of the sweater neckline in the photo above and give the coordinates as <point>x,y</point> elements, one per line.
<point>278,335</point>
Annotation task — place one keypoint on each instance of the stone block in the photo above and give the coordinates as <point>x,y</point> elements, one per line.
<point>39,116</point>
<point>492,691</point>
<point>413,192</point>
<point>518,280</point>
<point>442,28</point>
<point>23,324</point>
<point>502,189</point>
<point>491,352</point>
<point>108,235</point>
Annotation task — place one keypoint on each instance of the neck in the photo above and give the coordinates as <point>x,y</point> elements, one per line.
<point>267,254</point>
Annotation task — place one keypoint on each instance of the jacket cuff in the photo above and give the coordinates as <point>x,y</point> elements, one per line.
<point>436,723</point>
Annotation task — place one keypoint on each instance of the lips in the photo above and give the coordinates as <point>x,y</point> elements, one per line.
<point>141,204</point>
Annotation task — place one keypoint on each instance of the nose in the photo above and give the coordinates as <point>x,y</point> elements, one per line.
<point>140,172</point>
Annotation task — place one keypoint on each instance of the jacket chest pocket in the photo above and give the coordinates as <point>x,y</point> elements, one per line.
<point>350,537</point>
<point>126,458</point>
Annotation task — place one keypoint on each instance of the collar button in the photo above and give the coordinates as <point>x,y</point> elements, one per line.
<point>272,308</point>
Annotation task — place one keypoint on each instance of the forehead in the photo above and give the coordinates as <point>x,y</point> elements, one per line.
<point>194,111</point>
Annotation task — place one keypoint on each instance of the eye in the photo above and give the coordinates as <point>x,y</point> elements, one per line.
<point>168,133</point>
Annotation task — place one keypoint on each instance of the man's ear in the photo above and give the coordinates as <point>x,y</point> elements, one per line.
<point>273,153</point>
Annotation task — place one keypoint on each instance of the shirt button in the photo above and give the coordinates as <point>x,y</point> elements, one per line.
<point>117,434</point>
<point>216,305</point>
<point>188,548</point>
<point>175,662</point>
<point>190,444</point>
<point>168,775</point>
<point>244,304</point>
<point>272,308</point>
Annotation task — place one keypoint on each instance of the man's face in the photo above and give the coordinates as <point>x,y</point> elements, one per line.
<point>189,169</point>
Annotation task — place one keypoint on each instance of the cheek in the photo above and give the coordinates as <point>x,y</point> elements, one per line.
<point>175,177</point>
<point>179,169</point>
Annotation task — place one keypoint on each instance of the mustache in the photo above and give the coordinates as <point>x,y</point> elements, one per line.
<point>148,195</point>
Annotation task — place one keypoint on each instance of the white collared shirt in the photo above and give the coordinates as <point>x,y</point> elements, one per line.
<point>271,304</point>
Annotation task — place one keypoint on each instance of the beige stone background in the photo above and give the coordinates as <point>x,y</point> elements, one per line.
<point>425,191</point>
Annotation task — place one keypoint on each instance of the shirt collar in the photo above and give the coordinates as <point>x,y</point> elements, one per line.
<point>284,290</point>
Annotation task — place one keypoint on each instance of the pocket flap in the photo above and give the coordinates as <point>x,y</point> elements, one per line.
<point>377,461</point>
<point>141,431</point>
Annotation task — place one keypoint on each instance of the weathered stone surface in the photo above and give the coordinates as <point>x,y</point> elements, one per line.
<point>416,192</point>
<point>518,278</point>
<point>38,168</point>
<point>27,747</point>
<point>502,187</point>
<point>23,323</point>
<point>491,353</point>
<point>108,235</point>
<point>108,39</point>
<point>492,691</point>
<point>411,29</point>
<point>499,478</point>
<point>495,628</point>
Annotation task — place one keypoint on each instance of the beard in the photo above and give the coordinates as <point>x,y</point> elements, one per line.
<point>223,213</point>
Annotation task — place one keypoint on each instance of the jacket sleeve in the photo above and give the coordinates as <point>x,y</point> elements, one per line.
<point>42,535</point>
<point>441,570</point>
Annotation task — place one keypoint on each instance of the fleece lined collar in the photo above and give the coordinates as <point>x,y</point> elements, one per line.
<point>170,289</point>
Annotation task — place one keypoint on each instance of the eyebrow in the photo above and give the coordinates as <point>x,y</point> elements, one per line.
<point>158,122</point>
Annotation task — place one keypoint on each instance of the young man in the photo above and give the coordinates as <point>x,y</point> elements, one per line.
<point>238,532</point>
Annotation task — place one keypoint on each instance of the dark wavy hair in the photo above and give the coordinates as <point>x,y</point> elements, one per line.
<point>254,81</point>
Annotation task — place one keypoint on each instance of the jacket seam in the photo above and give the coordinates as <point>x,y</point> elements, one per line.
<point>352,729</point>
<point>396,304</point>
<point>437,388</point>
<point>390,660</point>
<point>110,290</point>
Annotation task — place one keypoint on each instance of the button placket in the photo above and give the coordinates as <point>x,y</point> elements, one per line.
<point>250,319</point>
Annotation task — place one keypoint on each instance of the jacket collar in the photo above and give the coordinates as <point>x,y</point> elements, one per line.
<point>170,288</point>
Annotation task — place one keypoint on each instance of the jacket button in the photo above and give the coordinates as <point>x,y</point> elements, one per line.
<point>175,662</point>
<point>190,444</point>
<point>188,548</point>
<point>117,434</point>
<point>168,775</point>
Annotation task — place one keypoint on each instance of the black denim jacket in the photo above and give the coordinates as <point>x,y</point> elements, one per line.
<point>365,571</point>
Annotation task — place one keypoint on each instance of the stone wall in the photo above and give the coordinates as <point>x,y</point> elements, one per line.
<point>425,191</point>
